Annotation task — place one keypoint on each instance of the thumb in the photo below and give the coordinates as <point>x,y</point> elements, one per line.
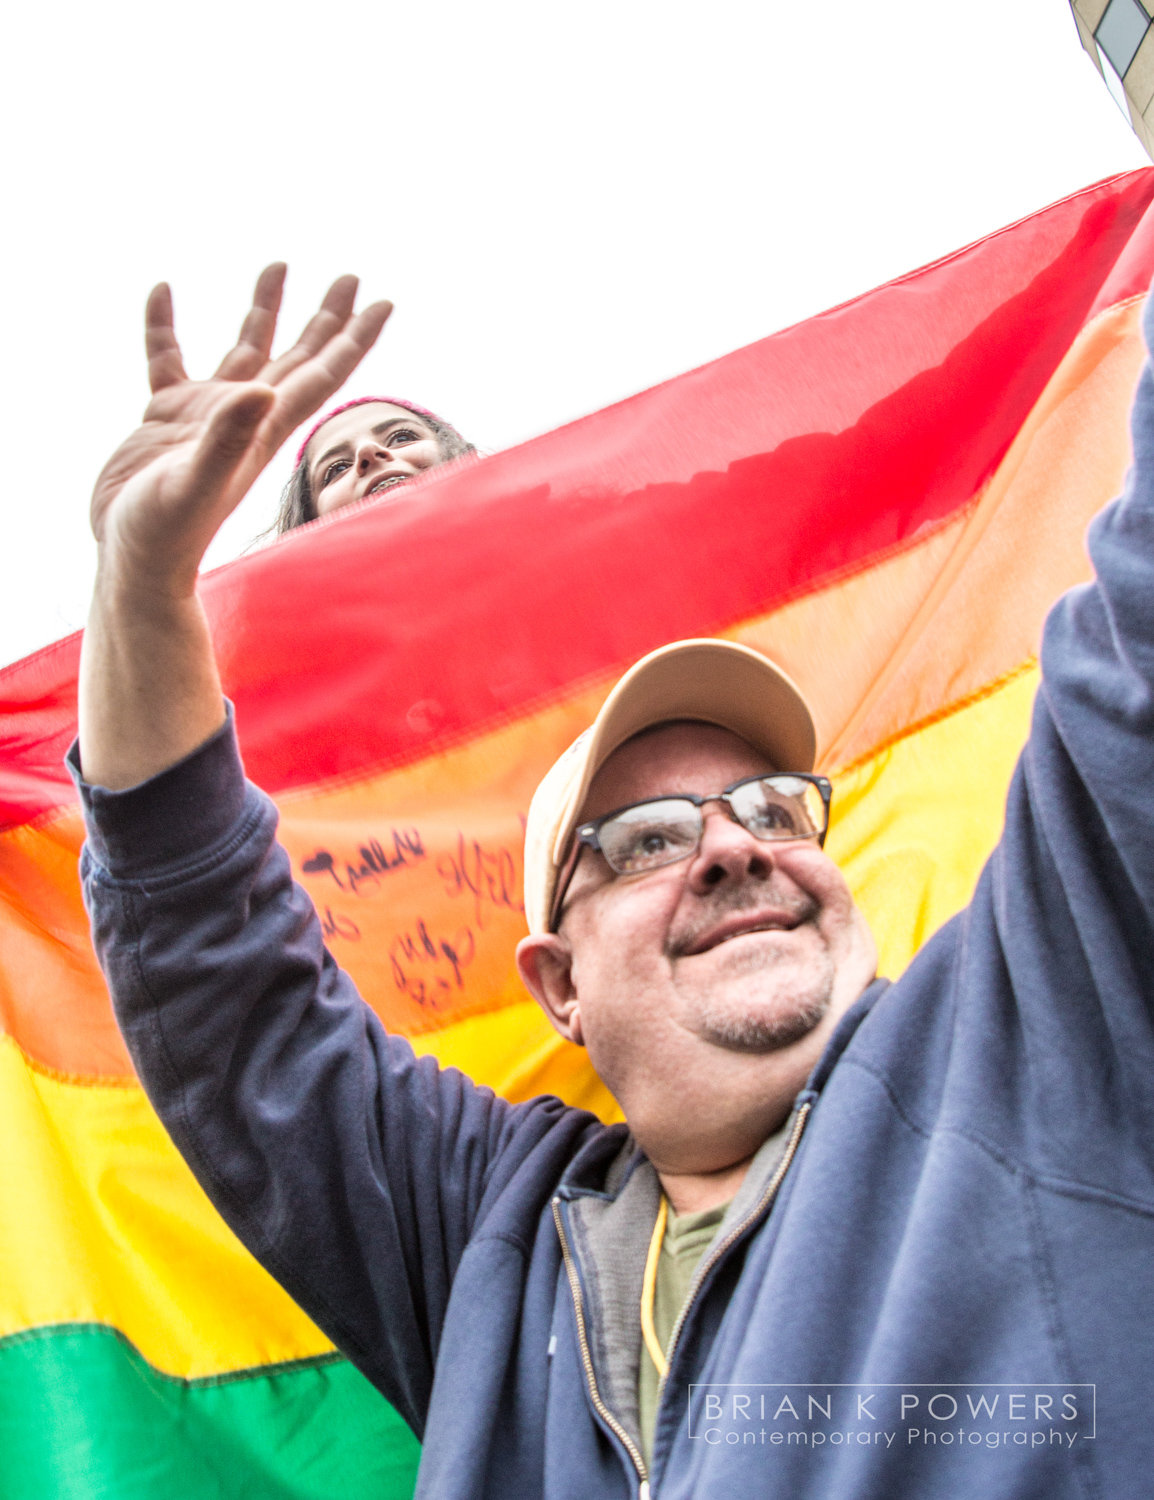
<point>227,438</point>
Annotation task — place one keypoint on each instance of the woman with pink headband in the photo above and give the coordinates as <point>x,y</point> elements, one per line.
<point>362,448</point>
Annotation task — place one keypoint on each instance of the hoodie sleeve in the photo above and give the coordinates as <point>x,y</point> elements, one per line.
<point>1098,669</point>
<point>1056,958</point>
<point>354,1171</point>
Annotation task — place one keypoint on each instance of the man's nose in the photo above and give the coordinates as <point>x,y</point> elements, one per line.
<point>728,852</point>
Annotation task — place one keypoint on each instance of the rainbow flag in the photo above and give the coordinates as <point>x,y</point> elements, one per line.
<point>886,499</point>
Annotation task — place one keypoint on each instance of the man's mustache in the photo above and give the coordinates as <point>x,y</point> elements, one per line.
<point>789,908</point>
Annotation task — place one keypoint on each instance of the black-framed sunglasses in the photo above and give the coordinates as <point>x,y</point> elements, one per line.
<point>665,830</point>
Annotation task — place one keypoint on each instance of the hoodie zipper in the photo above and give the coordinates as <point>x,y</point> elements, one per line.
<point>715,1255</point>
<point>719,1250</point>
<point>587,1359</point>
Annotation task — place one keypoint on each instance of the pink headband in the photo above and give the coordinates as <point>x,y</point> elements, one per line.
<point>418,411</point>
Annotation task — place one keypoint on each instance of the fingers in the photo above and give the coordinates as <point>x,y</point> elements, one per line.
<point>256,334</point>
<point>226,441</point>
<point>165,366</point>
<point>306,388</point>
<point>335,311</point>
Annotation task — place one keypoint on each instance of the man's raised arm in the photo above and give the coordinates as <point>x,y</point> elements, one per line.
<point>354,1171</point>
<point>1098,694</point>
<point>1065,909</point>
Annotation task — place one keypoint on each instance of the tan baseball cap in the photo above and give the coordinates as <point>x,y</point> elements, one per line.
<point>716,682</point>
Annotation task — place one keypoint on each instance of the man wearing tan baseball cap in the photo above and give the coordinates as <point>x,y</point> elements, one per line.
<point>685,925</point>
<point>841,1214</point>
<point>688,930</point>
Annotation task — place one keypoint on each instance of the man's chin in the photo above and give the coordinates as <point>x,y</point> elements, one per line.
<point>760,1032</point>
<point>755,1005</point>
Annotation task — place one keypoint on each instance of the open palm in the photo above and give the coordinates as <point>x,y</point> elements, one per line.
<point>165,491</point>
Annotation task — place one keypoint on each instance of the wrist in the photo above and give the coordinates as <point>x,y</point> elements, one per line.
<point>128,582</point>
<point>149,691</point>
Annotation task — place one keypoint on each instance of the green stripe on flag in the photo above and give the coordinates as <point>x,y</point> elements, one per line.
<point>84,1417</point>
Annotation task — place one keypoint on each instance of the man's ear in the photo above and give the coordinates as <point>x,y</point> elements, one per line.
<point>545,964</point>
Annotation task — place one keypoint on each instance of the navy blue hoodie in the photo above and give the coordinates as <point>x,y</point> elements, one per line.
<point>942,1285</point>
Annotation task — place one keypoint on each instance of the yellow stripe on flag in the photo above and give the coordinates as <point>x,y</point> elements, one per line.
<point>914,823</point>
<point>104,1223</point>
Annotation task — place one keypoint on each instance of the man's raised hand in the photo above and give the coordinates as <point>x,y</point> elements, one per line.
<point>166,490</point>
<point>149,689</point>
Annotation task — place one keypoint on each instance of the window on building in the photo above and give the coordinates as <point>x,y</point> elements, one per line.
<point>1120,31</point>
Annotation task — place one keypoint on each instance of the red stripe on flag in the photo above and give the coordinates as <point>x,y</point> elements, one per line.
<point>373,639</point>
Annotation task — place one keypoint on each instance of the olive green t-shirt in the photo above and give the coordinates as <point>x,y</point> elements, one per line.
<point>687,1237</point>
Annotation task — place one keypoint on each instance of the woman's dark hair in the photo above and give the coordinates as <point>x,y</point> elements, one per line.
<point>297,504</point>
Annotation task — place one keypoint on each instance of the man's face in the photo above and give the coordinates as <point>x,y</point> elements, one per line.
<point>748,950</point>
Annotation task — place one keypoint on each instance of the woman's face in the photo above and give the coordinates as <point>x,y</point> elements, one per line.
<point>366,451</point>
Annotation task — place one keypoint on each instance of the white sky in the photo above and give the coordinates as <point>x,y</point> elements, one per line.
<point>567,203</point>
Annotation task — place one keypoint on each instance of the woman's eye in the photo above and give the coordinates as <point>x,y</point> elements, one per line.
<point>333,470</point>
<point>404,435</point>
